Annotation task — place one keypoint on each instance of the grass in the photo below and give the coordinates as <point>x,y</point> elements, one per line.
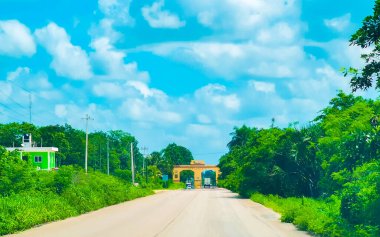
<point>319,217</point>
<point>69,193</point>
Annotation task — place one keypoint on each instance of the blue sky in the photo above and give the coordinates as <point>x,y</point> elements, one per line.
<point>184,71</point>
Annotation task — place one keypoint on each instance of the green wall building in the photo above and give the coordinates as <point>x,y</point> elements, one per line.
<point>43,158</point>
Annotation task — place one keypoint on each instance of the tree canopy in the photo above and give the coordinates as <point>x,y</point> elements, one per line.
<point>335,155</point>
<point>368,36</point>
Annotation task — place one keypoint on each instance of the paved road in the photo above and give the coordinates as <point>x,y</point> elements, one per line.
<point>184,213</point>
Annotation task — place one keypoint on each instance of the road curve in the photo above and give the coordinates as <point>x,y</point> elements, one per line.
<point>185,213</point>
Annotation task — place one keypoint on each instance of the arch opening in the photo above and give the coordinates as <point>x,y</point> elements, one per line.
<point>187,177</point>
<point>208,179</point>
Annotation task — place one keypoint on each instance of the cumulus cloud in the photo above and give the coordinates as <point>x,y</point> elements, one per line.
<point>241,17</point>
<point>215,94</point>
<point>68,60</point>
<point>109,62</point>
<point>158,18</point>
<point>339,23</point>
<point>231,60</point>
<point>16,39</point>
<point>263,86</point>
<point>117,11</point>
<point>144,111</point>
<point>108,89</point>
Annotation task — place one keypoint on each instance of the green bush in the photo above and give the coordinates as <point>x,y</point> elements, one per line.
<point>320,217</point>
<point>24,210</point>
<point>361,196</point>
<point>61,194</point>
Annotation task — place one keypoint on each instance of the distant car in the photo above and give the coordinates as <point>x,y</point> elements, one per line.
<point>189,186</point>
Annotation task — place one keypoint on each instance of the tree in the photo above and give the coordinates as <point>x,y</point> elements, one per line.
<point>367,36</point>
<point>172,155</point>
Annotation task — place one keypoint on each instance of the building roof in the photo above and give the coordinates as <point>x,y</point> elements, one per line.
<point>33,149</point>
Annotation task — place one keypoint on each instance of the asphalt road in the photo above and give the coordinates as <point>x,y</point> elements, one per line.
<point>184,213</point>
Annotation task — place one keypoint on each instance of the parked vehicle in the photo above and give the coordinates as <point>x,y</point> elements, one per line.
<point>189,186</point>
<point>207,183</point>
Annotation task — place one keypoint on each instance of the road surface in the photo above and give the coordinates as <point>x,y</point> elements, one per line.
<point>182,213</point>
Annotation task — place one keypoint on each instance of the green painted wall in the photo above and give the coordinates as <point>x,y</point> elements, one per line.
<point>44,164</point>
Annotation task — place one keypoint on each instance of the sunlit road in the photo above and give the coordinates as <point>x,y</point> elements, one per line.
<point>215,212</point>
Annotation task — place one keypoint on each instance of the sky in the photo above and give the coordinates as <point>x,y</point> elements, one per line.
<point>183,71</point>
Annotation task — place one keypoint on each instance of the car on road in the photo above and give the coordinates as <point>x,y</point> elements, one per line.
<point>189,186</point>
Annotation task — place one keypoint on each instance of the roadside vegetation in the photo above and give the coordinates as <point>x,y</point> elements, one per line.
<point>29,197</point>
<point>325,176</point>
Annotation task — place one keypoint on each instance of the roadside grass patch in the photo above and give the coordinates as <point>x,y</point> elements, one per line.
<point>319,217</point>
<point>68,192</point>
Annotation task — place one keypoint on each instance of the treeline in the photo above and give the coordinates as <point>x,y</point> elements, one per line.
<point>71,144</point>
<point>335,159</point>
<point>29,197</point>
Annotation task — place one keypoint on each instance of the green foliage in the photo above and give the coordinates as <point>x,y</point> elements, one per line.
<point>320,217</point>
<point>16,175</point>
<point>367,36</point>
<point>361,195</point>
<point>175,186</point>
<point>29,197</point>
<point>334,158</point>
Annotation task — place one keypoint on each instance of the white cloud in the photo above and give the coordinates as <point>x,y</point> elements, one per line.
<point>281,33</point>
<point>5,91</point>
<point>231,60</point>
<point>60,110</point>
<point>340,52</point>
<point>68,60</point>
<point>105,29</point>
<point>108,90</point>
<point>216,95</point>
<point>110,62</point>
<point>16,39</point>
<point>241,17</point>
<point>20,72</point>
<point>144,111</point>
<point>158,18</point>
<point>339,23</point>
<point>263,86</point>
<point>117,10</point>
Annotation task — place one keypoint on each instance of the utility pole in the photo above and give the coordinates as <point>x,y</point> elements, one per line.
<point>108,156</point>
<point>144,149</point>
<point>100,160</point>
<point>86,154</point>
<point>132,165</point>
<point>30,107</point>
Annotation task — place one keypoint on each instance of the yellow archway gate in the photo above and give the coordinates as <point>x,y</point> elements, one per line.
<point>197,166</point>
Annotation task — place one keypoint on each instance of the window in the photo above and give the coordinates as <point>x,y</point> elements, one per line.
<point>37,159</point>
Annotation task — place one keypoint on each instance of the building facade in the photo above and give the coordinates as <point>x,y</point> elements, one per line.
<point>43,158</point>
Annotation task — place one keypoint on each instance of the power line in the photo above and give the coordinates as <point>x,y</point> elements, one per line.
<point>12,110</point>
<point>14,101</point>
